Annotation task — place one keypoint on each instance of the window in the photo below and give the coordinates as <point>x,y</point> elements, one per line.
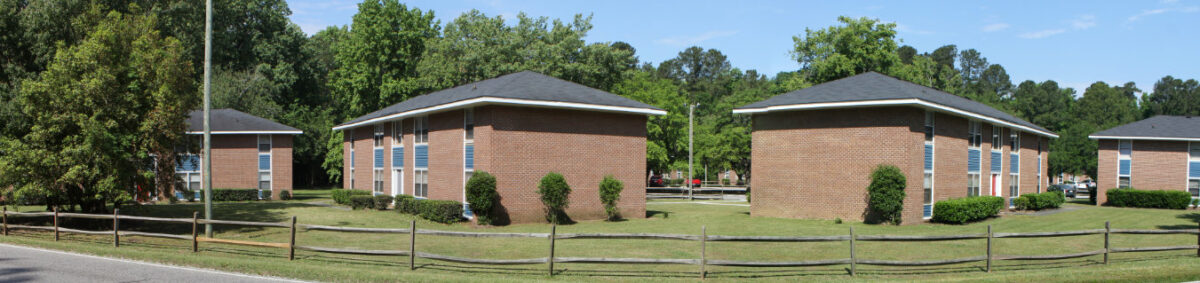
<point>421,130</point>
<point>378,137</point>
<point>996,144</point>
<point>1125,149</point>
<point>929,126</point>
<point>378,181</point>
<point>1014,187</point>
<point>1194,169</point>
<point>972,184</point>
<point>421,183</point>
<point>1039,165</point>
<point>1124,163</point>
<point>264,181</point>
<point>352,159</point>
<point>1014,140</point>
<point>264,164</point>
<point>469,123</point>
<point>928,194</point>
<point>974,137</point>
<point>1194,188</point>
<point>1123,182</point>
<point>397,134</point>
<point>352,178</point>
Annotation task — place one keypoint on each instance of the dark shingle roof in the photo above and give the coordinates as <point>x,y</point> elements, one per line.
<point>229,120</point>
<point>875,86</point>
<point>1181,127</point>
<point>527,85</point>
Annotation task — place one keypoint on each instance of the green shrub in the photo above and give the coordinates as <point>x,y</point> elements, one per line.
<point>1196,202</point>
<point>406,204</point>
<point>610,193</point>
<point>440,211</point>
<point>1149,199</point>
<point>963,210</point>
<point>265,195</point>
<point>725,182</point>
<point>1039,201</point>
<point>229,194</point>
<point>554,191</point>
<point>342,196</point>
<point>382,202</point>
<point>362,202</point>
<point>482,196</point>
<point>886,193</point>
<point>285,195</point>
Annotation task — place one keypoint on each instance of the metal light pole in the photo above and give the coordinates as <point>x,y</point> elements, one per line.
<point>207,166</point>
<point>691,115</point>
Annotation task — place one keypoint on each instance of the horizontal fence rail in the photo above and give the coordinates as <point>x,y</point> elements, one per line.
<point>703,238</point>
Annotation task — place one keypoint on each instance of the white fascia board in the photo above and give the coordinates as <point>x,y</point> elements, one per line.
<point>248,132</point>
<point>1142,138</point>
<point>891,102</point>
<point>509,101</point>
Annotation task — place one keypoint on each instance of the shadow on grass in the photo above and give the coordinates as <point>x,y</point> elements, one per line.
<point>653,213</point>
<point>1191,217</point>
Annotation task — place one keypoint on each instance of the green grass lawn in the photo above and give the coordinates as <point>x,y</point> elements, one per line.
<point>311,207</point>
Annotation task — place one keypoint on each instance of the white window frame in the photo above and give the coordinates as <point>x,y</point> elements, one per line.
<point>271,160</point>
<point>931,136</point>
<point>397,144</point>
<point>1193,147</point>
<point>1039,165</point>
<point>468,125</point>
<point>997,135</point>
<point>974,134</point>
<point>1123,156</point>
<point>377,169</point>
<point>352,159</point>
<point>420,137</point>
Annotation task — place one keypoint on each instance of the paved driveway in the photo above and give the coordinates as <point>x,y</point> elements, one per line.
<point>24,264</point>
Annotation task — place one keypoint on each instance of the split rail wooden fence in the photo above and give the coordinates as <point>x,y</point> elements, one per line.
<point>703,238</point>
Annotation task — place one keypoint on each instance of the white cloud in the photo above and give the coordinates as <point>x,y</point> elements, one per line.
<point>1147,13</point>
<point>995,27</point>
<point>1084,22</point>
<point>1042,33</point>
<point>693,40</point>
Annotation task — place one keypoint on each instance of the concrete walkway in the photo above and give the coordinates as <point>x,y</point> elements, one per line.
<point>25,264</point>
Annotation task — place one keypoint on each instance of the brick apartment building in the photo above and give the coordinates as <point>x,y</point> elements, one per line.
<point>518,127</point>
<point>1158,153</point>
<point>813,149</point>
<point>248,152</point>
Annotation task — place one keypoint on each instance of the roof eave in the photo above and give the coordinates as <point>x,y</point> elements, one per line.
<point>1106,137</point>
<point>891,102</point>
<point>505,101</point>
<point>248,132</point>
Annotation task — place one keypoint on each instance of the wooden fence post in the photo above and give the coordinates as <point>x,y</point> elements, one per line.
<point>853,260</point>
<point>553,229</point>
<point>5,216</point>
<point>989,249</point>
<point>1107,231</point>
<point>292,243</point>
<point>412,245</point>
<point>56,224</point>
<point>703,248</point>
<point>195,231</point>
<point>116,227</point>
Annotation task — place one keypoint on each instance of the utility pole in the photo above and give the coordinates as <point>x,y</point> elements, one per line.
<point>207,166</point>
<point>691,115</point>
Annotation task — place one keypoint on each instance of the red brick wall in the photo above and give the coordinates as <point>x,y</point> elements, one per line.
<point>816,164</point>
<point>524,144</point>
<point>446,156</point>
<point>950,158</point>
<point>281,165</point>
<point>1156,165</point>
<point>1106,169</point>
<point>363,143</point>
<point>235,162</point>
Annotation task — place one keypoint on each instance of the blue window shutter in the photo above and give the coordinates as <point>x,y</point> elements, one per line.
<point>378,158</point>
<point>1124,167</point>
<point>264,162</point>
<point>398,157</point>
<point>973,160</point>
<point>997,163</point>
<point>469,156</point>
<point>929,157</point>
<point>421,157</point>
<point>1015,163</point>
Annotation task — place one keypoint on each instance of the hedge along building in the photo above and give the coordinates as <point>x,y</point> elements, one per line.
<point>1158,153</point>
<point>813,150</point>
<point>518,127</point>
<point>249,152</point>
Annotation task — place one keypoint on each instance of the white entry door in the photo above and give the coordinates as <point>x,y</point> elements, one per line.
<point>397,182</point>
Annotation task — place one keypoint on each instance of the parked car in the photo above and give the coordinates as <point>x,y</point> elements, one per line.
<point>1068,190</point>
<point>656,181</point>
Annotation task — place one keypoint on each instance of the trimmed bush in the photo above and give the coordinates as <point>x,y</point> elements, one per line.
<point>406,204</point>
<point>342,196</point>
<point>1039,201</point>
<point>886,193</point>
<point>265,195</point>
<point>285,195</point>
<point>554,191</point>
<point>482,196</point>
<point>1149,199</point>
<point>963,210</point>
<point>229,194</point>
<point>382,202</point>
<point>610,193</point>
<point>362,202</point>
<point>440,211</point>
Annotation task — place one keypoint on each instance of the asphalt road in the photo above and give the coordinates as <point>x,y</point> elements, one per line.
<point>24,264</point>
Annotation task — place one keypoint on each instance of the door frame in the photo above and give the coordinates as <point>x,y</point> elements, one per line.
<point>397,182</point>
<point>997,185</point>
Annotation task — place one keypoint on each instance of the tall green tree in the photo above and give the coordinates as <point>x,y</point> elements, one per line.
<point>1045,104</point>
<point>858,46</point>
<point>1172,97</point>
<point>98,111</point>
<point>666,136</point>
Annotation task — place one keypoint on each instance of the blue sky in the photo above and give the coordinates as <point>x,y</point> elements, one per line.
<point>1074,43</point>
